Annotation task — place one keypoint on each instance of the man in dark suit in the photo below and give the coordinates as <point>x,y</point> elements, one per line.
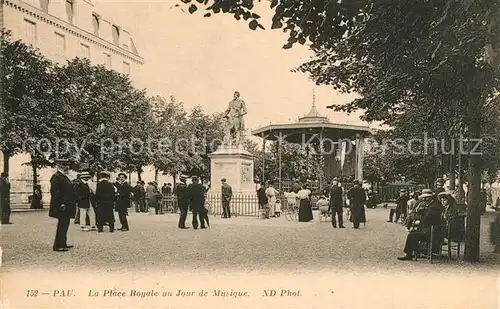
<point>429,213</point>
<point>197,201</point>
<point>123,201</point>
<point>105,196</point>
<point>84,196</point>
<point>139,197</point>
<point>5,198</point>
<point>336,204</point>
<point>62,203</point>
<point>182,193</point>
<point>261,195</point>
<point>226,196</point>
<point>357,199</point>
<point>401,206</point>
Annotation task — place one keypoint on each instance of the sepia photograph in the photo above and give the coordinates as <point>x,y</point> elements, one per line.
<point>250,154</point>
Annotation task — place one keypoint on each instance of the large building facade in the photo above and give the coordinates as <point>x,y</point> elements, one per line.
<point>63,30</point>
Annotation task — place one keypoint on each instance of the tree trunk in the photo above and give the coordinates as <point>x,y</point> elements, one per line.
<point>174,176</point>
<point>139,172</point>
<point>156,175</point>
<point>6,159</point>
<point>473,227</point>
<point>460,191</point>
<point>35,175</point>
<point>453,164</point>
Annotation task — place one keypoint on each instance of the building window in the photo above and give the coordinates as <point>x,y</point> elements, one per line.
<point>85,51</point>
<point>44,5</point>
<point>69,10</point>
<point>116,35</point>
<point>126,68</point>
<point>107,62</point>
<point>30,32</point>
<point>95,24</point>
<point>60,46</point>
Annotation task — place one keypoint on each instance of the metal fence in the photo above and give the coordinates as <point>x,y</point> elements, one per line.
<point>240,205</point>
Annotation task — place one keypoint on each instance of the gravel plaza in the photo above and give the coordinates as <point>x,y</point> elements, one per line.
<point>241,244</point>
<point>237,254</point>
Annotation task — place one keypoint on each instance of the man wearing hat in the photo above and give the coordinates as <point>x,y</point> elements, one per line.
<point>62,203</point>
<point>5,198</point>
<point>401,206</point>
<point>357,199</point>
<point>427,214</point>
<point>227,195</point>
<point>197,201</point>
<point>336,204</point>
<point>123,201</point>
<point>182,193</point>
<point>83,201</point>
<point>139,197</point>
<point>439,186</point>
<point>105,200</point>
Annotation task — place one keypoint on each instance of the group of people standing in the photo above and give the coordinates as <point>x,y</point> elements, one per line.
<point>98,201</point>
<point>355,198</point>
<point>192,197</point>
<point>267,197</point>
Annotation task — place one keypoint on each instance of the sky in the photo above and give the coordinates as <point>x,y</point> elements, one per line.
<point>202,61</point>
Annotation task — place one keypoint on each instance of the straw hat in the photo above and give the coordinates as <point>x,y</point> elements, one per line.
<point>84,175</point>
<point>426,193</point>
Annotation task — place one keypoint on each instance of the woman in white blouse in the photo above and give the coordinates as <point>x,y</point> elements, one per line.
<point>271,193</point>
<point>305,210</point>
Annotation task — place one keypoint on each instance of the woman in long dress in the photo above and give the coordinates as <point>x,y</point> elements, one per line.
<point>305,210</point>
<point>271,200</point>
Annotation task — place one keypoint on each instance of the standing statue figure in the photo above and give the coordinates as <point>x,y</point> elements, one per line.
<point>235,126</point>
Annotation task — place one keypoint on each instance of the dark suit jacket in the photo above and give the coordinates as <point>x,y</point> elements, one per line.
<point>197,196</point>
<point>124,191</point>
<point>227,192</point>
<point>62,194</point>
<point>105,200</point>
<point>357,196</point>
<point>139,193</point>
<point>105,194</point>
<point>83,195</point>
<point>261,195</point>
<point>336,197</point>
<point>182,193</point>
<point>4,191</point>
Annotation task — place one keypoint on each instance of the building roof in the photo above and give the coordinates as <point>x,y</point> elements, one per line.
<point>310,125</point>
<point>313,116</point>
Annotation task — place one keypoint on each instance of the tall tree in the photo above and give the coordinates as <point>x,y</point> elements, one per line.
<point>26,86</point>
<point>170,129</point>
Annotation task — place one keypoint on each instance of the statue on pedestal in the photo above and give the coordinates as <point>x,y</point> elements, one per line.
<point>235,125</point>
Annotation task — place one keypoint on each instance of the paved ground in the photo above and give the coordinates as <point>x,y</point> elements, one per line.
<point>240,244</point>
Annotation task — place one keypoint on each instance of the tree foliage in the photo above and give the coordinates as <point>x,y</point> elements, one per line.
<point>27,86</point>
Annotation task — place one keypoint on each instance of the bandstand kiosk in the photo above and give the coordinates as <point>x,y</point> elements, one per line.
<point>341,144</point>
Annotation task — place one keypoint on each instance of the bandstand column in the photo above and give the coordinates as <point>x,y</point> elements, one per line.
<point>263,158</point>
<point>359,157</point>
<point>279,162</point>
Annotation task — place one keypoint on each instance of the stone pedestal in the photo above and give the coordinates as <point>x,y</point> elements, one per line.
<point>236,165</point>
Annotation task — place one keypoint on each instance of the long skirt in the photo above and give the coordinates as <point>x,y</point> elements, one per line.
<point>305,211</point>
<point>271,204</point>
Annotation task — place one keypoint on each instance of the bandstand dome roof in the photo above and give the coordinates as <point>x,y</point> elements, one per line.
<point>312,123</point>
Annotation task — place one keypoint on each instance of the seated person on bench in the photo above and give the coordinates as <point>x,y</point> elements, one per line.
<point>427,214</point>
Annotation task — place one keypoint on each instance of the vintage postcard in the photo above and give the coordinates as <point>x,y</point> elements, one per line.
<point>250,154</point>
